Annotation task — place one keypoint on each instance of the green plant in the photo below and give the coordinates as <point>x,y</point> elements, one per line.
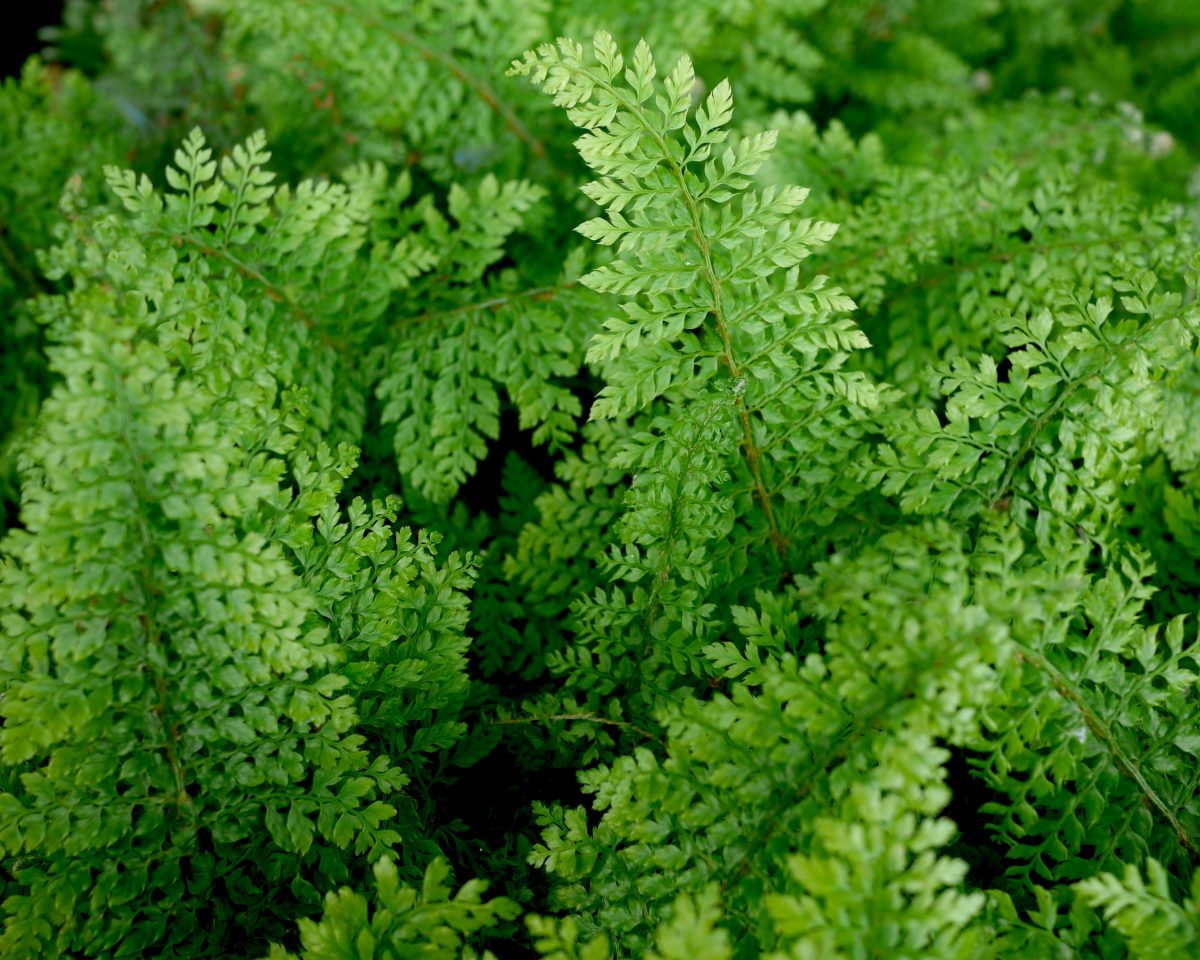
<point>769,529</point>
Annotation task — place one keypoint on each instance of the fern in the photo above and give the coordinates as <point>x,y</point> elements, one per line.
<point>403,921</point>
<point>389,80</point>
<point>169,686</point>
<point>485,340</point>
<point>712,285</point>
<point>369,524</point>
<point>1101,757</point>
<point>1152,923</point>
<point>994,450</point>
<point>266,243</point>
<point>738,794</point>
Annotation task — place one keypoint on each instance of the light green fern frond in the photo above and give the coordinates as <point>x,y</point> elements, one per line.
<point>1152,923</point>
<point>708,271</point>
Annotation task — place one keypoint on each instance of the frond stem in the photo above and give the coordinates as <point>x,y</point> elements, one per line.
<point>749,446</point>
<point>1124,763</point>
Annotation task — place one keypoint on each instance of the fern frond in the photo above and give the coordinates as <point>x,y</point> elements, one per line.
<point>1057,436</point>
<point>389,80</point>
<point>432,921</point>
<point>166,677</point>
<point>708,268</point>
<point>1150,920</point>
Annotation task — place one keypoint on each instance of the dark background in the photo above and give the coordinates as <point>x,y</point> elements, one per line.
<point>19,35</point>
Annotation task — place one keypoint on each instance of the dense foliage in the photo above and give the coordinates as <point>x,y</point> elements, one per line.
<point>724,487</point>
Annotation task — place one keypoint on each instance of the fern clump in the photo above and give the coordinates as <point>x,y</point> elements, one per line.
<point>169,684</point>
<point>731,493</point>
